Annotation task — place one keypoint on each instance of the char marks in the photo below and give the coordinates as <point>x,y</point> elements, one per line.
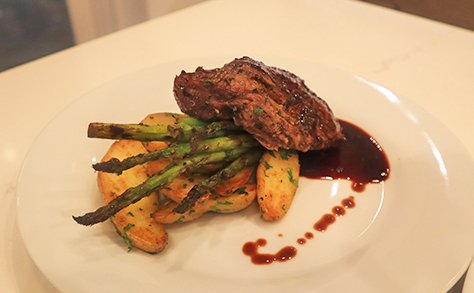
<point>272,104</point>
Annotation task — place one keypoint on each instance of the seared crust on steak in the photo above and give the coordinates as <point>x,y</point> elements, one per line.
<point>272,104</point>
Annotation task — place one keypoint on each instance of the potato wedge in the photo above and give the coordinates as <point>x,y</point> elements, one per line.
<point>152,146</point>
<point>180,186</point>
<point>158,119</point>
<point>165,214</point>
<point>239,200</point>
<point>133,223</point>
<point>277,181</point>
<point>242,198</point>
<point>240,179</point>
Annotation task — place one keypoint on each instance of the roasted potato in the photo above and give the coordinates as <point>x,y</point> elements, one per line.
<point>277,181</point>
<point>133,223</point>
<point>180,186</point>
<point>158,119</point>
<point>152,146</point>
<point>237,201</point>
<point>240,179</point>
<point>165,214</point>
<point>240,199</point>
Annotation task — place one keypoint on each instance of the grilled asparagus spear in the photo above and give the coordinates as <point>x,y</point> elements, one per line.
<point>177,152</point>
<point>207,185</point>
<point>155,182</point>
<point>178,132</point>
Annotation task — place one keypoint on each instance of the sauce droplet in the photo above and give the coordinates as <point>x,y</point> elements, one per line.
<point>251,249</point>
<point>338,211</point>
<point>323,223</point>
<point>301,241</point>
<point>348,203</point>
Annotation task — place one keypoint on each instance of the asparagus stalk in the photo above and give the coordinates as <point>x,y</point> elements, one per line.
<point>207,185</point>
<point>210,130</point>
<point>178,132</point>
<point>214,127</point>
<point>191,121</point>
<point>178,151</point>
<point>157,181</point>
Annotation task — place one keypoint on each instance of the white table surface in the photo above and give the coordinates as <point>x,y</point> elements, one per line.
<point>425,61</point>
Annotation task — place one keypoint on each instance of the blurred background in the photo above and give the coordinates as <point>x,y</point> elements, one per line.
<point>30,29</point>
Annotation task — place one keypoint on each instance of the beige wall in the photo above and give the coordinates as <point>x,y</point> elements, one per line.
<point>93,18</point>
<point>457,12</point>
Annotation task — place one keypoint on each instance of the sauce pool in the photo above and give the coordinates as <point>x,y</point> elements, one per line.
<point>359,158</point>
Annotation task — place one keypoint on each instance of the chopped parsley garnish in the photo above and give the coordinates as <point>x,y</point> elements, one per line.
<point>179,220</point>
<point>290,177</point>
<point>267,166</point>
<point>216,208</point>
<point>284,153</point>
<point>257,111</point>
<point>241,190</point>
<point>125,236</point>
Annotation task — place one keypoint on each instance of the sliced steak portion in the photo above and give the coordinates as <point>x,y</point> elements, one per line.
<point>272,104</point>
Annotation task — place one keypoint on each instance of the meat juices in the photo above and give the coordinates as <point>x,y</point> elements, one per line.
<point>272,104</point>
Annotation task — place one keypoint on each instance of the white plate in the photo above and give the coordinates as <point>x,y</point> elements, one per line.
<point>405,235</point>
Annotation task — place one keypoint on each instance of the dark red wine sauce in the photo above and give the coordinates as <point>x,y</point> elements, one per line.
<point>348,203</point>
<point>338,211</point>
<point>301,241</point>
<point>324,222</point>
<point>359,158</point>
<point>251,249</point>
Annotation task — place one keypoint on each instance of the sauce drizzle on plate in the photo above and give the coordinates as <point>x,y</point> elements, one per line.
<point>251,249</point>
<point>286,253</point>
<point>359,158</point>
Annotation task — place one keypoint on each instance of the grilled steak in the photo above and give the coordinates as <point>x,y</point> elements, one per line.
<point>272,104</point>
